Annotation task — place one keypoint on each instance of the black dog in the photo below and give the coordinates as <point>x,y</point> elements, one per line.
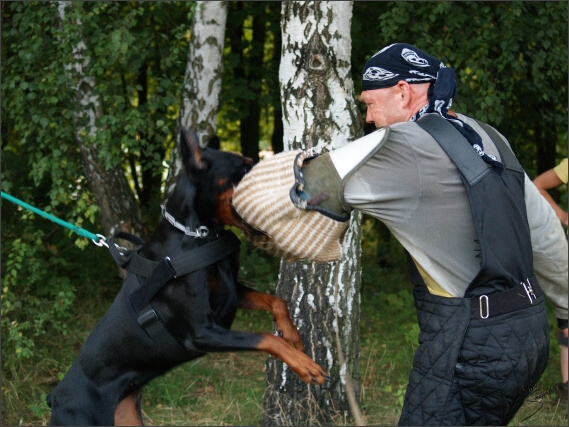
<point>177,303</point>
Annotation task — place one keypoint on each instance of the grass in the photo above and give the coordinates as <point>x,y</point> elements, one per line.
<point>228,388</point>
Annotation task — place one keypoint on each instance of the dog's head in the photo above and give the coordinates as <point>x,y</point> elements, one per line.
<point>214,174</point>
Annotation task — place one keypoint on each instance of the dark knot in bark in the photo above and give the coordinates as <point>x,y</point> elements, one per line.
<point>317,62</point>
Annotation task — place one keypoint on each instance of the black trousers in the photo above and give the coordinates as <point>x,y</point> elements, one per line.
<point>473,371</point>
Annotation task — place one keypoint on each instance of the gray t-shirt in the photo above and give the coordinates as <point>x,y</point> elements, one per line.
<point>412,186</point>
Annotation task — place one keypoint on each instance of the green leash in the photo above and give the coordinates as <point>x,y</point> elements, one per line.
<point>97,239</point>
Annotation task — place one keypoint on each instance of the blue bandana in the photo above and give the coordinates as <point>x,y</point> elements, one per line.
<point>398,62</point>
<point>402,61</point>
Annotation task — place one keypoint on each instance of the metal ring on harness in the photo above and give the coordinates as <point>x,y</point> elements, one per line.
<point>482,316</point>
<point>102,241</point>
<point>202,231</point>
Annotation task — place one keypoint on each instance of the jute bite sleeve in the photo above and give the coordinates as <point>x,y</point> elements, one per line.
<point>294,200</point>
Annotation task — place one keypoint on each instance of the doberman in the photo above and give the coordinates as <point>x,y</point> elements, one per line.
<point>178,301</point>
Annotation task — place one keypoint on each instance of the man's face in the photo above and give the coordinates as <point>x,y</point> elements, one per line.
<point>383,106</point>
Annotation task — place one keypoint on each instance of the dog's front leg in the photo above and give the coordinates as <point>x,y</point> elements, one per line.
<point>212,337</point>
<point>205,335</point>
<point>254,300</point>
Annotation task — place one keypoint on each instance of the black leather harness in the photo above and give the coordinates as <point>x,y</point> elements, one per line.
<point>145,278</point>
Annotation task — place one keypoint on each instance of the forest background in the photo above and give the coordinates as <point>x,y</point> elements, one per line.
<point>511,61</point>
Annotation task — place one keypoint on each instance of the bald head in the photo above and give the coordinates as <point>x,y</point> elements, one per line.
<point>394,104</point>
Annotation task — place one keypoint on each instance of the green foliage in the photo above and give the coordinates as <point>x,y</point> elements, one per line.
<point>499,48</point>
<point>34,96</point>
<point>134,53</point>
<point>246,85</point>
<point>138,55</point>
<point>257,268</point>
<point>34,300</point>
<point>37,291</point>
<point>135,56</point>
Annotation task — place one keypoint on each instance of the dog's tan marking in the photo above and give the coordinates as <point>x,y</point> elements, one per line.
<point>225,212</point>
<point>128,413</point>
<point>254,300</point>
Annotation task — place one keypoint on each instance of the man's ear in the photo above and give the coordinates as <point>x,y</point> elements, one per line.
<point>403,93</point>
<point>190,146</point>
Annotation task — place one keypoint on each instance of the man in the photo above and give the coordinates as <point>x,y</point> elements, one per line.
<point>546,181</point>
<point>550,179</point>
<point>476,230</point>
<point>470,368</point>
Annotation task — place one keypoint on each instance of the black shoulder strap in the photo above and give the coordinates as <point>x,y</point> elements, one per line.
<point>207,254</point>
<point>162,272</point>
<point>188,262</point>
<point>157,274</point>
<point>149,320</point>
<point>468,162</point>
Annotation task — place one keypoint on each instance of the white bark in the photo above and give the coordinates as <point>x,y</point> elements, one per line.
<point>298,77</point>
<point>117,206</point>
<point>90,102</point>
<point>319,111</point>
<point>202,81</point>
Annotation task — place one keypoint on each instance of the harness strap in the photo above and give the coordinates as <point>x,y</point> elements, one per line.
<point>149,320</point>
<point>157,274</point>
<point>192,260</point>
<point>472,167</point>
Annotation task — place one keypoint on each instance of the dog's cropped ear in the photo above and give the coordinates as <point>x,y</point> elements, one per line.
<point>190,146</point>
<point>213,142</point>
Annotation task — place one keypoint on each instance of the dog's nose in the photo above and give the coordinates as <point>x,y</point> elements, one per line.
<point>248,165</point>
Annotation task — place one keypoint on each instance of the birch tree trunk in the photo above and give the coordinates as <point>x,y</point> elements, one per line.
<point>319,111</point>
<point>118,209</point>
<point>202,82</point>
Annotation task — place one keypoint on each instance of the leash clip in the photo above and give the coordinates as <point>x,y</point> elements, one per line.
<point>482,316</point>
<point>101,241</point>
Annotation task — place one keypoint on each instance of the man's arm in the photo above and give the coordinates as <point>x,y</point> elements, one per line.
<point>549,244</point>
<point>547,181</point>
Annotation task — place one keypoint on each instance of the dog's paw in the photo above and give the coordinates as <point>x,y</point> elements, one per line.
<point>289,333</point>
<point>309,371</point>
